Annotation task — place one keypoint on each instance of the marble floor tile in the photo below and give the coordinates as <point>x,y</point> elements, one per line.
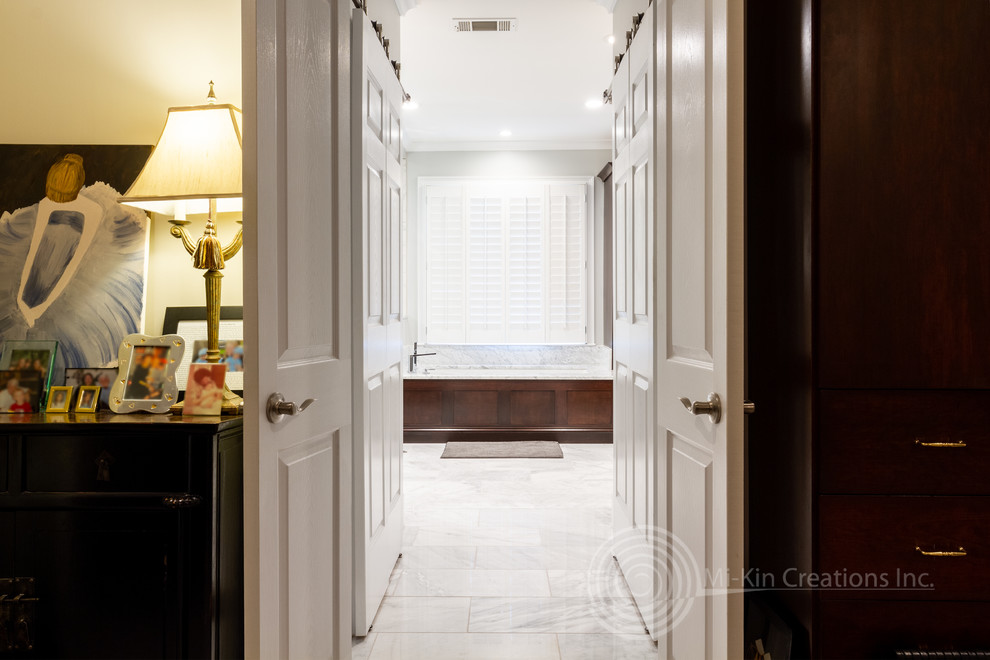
<point>403,614</point>
<point>437,557</point>
<point>564,583</point>
<point>488,536</point>
<point>445,582</point>
<point>462,646</point>
<point>432,515</point>
<point>606,647</point>
<point>554,615</point>
<point>361,646</point>
<point>536,557</point>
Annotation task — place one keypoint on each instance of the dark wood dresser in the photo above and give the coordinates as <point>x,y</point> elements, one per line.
<point>121,536</point>
<point>868,288</point>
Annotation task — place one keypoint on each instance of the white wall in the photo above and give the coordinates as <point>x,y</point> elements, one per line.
<point>386,13</point>
<point>106,72</point>
<point>491,164</point>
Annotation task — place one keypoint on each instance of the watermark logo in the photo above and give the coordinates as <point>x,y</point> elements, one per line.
<point>660,571</point>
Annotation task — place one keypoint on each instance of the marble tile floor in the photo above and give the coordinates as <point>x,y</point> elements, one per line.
<point>504,559</point>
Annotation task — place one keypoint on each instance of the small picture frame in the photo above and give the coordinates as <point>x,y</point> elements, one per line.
<point>88,376</point>
<point>59,399</point>
<point>146,375</point>
<point>204,389</point>
<point>89,398</point>
<point>30,355</point>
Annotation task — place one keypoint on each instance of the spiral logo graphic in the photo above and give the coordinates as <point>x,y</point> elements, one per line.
<point>652,558</point>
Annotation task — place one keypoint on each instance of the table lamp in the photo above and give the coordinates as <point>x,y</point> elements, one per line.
<point>196,168</point>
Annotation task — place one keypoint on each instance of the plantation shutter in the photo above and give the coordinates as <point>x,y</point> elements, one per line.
<point>506,263</point>
<point>567,264</point>
<point>445,275</point>
<point>486,268</point>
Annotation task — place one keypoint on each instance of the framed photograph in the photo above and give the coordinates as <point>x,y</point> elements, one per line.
<point>190,324</point>
<point>146,375</point>
<point>204,390</point>
<point>89,398</point>
<point>20,391</point>
<point>59,399</point>
<point>30,355</point>
<point>86,377</point>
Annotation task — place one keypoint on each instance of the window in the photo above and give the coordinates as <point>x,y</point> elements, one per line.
<point>506,262</point>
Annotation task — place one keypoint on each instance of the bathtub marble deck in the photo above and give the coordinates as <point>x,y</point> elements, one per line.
<point>501,560</point>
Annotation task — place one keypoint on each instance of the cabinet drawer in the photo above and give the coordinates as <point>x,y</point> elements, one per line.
<point>114,463</point>
<point>875,442</point>
<point>865,629</point>
<point>871,541</point>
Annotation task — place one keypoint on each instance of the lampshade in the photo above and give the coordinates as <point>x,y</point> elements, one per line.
<point>197,158</point>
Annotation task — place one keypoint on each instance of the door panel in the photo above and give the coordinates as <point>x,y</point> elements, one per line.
<point>297,317</point>
<point>700,342</point>
<point>376,223</point>
<point>634,440</point>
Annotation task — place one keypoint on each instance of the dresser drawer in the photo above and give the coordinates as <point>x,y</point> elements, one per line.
<point>871,629</point>
<point>113,463</point>
<point>875,538</point>
<point>890,442</point>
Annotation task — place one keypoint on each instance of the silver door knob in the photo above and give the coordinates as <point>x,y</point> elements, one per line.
<point>278,407</point>
<point>712,407</point>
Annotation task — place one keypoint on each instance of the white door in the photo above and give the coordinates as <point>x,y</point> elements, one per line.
<point>297,318</point>
<point>635,514</point>
<point>376,130</point>
<point>700,307</point>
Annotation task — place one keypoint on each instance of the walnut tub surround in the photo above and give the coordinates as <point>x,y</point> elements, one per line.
<point>561,393</point>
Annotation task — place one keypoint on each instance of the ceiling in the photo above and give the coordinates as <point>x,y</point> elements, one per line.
<point>534,81</point>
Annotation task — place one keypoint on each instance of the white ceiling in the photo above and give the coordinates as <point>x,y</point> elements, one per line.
<point>533,82</point>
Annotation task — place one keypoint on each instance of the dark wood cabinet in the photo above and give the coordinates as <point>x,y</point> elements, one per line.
<point>868,293</point>
<point>130,530</point>
<point>437,410</point>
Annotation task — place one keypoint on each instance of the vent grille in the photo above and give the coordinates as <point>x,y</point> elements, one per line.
<point>484,24</point>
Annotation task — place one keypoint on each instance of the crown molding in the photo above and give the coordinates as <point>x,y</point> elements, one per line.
<point>509,145</point>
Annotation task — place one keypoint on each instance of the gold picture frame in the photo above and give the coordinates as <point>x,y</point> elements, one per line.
<point>59,398</point>
<point>88,399</point>
<point>146,374</point>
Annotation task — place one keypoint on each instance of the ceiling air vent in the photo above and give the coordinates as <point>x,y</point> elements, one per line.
<point>484,25</point>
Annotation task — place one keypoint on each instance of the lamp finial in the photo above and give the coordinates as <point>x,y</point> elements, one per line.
<point>211,98</point>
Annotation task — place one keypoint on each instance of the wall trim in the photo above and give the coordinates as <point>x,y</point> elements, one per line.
<point>509,145</point>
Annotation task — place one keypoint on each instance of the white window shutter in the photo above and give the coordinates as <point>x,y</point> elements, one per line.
<point>485,269</point>
<point>567,220</point>
<point>445,275</point>
<point>525,266</point>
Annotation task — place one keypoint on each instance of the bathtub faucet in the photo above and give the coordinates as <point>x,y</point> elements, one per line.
<point>415,354</point>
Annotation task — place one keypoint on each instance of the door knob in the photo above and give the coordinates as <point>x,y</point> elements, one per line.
<point>712,407</point>
<point>278,407</point>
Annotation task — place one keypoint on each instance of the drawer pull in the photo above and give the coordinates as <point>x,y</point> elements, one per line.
<point>961,552</point>
<point>181,501</point>
<point>940,443</point>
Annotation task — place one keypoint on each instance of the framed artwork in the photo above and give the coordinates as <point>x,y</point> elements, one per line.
<point>190,324</point>
<point>20,391</point>
<point>84,377</point>
<point>59,399</point>
<point>72,259</point>
<point>146,375</point>
<point>89,397</point>
<point>204,390</point>
<point>31,355</point>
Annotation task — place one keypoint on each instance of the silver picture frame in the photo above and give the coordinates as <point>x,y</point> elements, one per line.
<point>146,374</point>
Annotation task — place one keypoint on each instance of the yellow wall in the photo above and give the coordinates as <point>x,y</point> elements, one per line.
<point>106,72</point>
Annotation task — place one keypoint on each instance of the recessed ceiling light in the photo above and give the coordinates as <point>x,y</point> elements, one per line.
<point>610,38</point>
<point>593,104</point>
<point>505,133</point>
<point>409,105</point>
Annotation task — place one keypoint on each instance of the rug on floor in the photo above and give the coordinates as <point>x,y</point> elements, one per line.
<point>511,449</point>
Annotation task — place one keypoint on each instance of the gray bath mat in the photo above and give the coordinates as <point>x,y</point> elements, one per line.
<point>512,449</point>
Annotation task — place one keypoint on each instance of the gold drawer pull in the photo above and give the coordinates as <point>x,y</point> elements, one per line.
<point>940,443</point>
<point>961,552</point>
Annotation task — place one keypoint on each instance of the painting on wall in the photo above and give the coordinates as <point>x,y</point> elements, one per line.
<point>72,260</point>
